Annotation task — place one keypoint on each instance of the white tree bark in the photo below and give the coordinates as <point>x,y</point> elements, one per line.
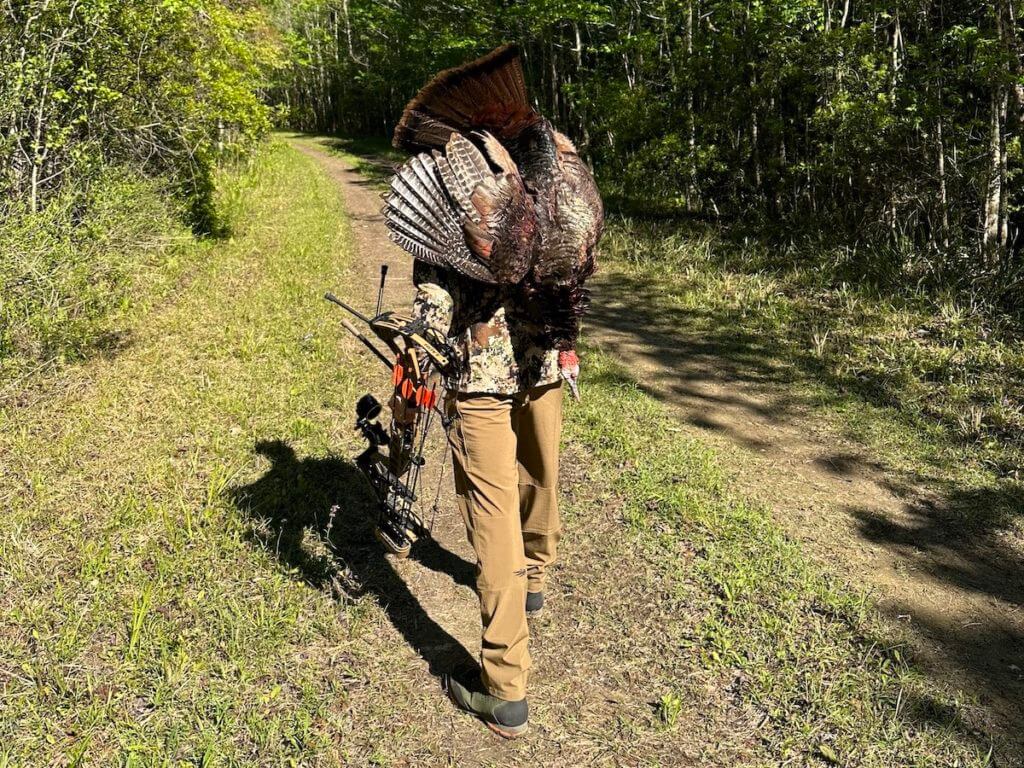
<point>994,234</point>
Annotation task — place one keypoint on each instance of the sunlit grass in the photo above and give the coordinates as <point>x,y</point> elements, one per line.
<point>934,387</point>
<point>827,677</point>
<point>148,616</point>
<point>138,624</point>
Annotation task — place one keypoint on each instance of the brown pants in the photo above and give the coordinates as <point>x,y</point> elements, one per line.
<point>505,450</point>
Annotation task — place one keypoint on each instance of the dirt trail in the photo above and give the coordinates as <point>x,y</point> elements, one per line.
<point>959,600</point>
<point>602,652</point>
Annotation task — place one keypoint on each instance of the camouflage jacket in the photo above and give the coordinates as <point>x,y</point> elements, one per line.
<point>500,351</point>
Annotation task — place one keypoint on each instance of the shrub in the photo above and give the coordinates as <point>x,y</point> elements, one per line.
<point>67,271</point>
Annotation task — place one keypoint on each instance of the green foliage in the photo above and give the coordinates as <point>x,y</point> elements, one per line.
<point>67,272</point>
<point>670,706</point>
<point>164,87</point>
<point>867,124</point>
<point>114,117</point>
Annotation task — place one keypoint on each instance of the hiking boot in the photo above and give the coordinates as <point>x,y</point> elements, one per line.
<point>534,604</point>
<point>508,719</point>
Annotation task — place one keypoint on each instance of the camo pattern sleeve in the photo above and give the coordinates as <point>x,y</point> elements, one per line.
<point>499,351</point>
<point>433,304</point>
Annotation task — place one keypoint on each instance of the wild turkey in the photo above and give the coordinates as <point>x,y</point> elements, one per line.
<point>496,193</point>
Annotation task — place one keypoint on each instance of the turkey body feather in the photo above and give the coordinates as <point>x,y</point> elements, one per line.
<point>494,192</point>
<point>450,209</point>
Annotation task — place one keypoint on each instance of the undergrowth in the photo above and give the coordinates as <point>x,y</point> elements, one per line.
<point>69,272</point>
<point>934,385</point>
<point>139,624</point>
<point>75,275</point>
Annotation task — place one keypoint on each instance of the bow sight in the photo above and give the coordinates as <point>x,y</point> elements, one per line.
<point>393,459</point>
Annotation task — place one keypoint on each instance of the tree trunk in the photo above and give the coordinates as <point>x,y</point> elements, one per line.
<point>943,191</point>
<point>1006,23</point>
<point>995,234</point>
<point>692,138</point>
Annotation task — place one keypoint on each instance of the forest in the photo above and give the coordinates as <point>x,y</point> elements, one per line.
<point>890,127</point>
<point>115,115</point>
<point>877,145</point>
<point>884,137</point>
<point>868,125</point>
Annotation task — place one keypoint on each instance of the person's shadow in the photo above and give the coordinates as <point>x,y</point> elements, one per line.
<point>315,515</point>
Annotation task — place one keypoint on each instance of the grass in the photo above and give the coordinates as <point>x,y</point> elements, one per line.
<point>934,388</point>
<point>168,595</point>
<point>831,684</point>
<point>138,625</point>
<point>73,275</point>
<point>372,156</point>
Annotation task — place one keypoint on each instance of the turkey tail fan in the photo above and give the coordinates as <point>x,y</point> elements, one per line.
<point>419,131</point>
<point>423,220</point>
<point>488,93</point>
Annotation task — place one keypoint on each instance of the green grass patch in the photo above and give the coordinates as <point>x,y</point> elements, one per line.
<point>934,387</point>
<point>142,622</point>
<point>78,274</point>
<point>831,683</point>
<point>70,273</point>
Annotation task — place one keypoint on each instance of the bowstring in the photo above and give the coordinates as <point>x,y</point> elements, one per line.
<point>437,492</point>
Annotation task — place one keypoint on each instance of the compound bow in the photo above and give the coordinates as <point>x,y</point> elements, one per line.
<point>393,459</point>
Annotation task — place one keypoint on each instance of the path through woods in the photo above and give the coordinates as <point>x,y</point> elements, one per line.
<point>604,644</point>
<point>958,600</point>
<point>189,574</point>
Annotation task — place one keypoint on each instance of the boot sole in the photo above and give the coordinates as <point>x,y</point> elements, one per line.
<point>498,729</point>
<point>534,614</point>
<point>503,733</point>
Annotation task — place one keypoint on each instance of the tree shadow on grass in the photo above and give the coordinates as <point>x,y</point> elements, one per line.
<point>692,347</point>
<point>688,349</point>
<point>956,540</point>
<point>957,535</point>
<point>327,499</point>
